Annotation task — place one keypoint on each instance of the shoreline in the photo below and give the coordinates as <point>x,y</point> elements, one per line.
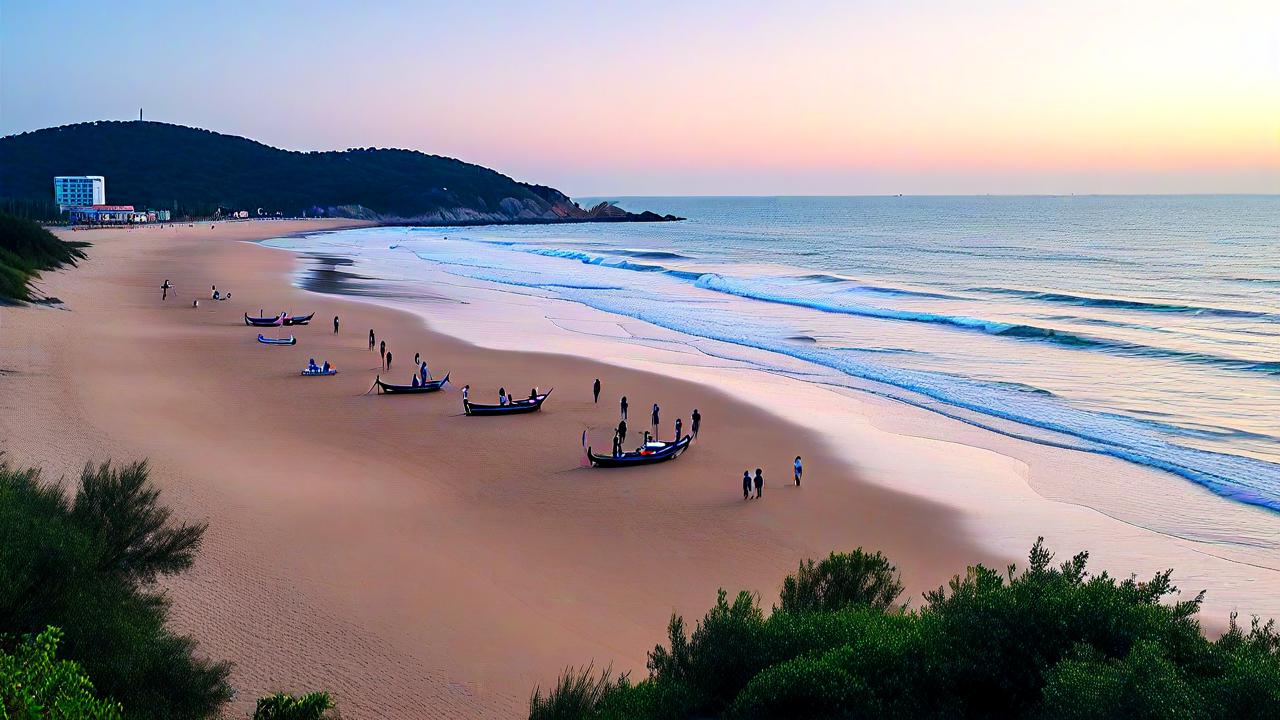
<point>407,558</point>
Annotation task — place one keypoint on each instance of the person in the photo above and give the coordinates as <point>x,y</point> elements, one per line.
<point>422,370</point>
<point>227,296</point>
<point>799,470</point>
<point>216,295</point>
<point>759,483</point>
<point>195,303</point>
<point>654,420</point>
<point>311,365</point>
<point>746,484</point>
<point>679,423</point>
<point>466,390</point>
<point>388,360</point>
<point>502,396</point>
<point>382,350</point>
<point>533,393</point>
<point>417,359</point>
<point>335,324</point>
<point>617,445</point>
<point>697,422</point>
<point>624,407</point>
<point>164,289</point>
<point>415,381</point>
<point>214,292</point>
<point>371,340</point>
<point>326,367</point>
<point>595,390</point>
<point>622,431</point>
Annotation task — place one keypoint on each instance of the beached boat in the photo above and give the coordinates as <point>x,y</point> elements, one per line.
<point>514,407</point>
<point>264,321</point>
<point>298,319</point>
<point>428,386</point>
<point>652,452</point>
<point>319,372</point>
<point>291,340</point>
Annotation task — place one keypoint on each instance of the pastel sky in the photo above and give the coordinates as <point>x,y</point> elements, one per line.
<point>712,98</point>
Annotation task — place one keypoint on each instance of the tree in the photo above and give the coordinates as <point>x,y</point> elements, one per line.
<point>841,580</point>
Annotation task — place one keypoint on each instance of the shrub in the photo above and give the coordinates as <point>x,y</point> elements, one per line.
<point>283,706</point>
<point>35,684</point>
<point>25,250</point>
<point>842,579</point>
<point>577,694</point>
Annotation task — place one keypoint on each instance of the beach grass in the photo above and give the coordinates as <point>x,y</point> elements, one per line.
<point>26,250</point>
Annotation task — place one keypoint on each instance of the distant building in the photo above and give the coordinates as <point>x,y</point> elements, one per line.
<point>79,191</point>
<point>105,214</point>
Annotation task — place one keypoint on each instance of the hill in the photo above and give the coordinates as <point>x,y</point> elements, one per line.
<point>195,172</point>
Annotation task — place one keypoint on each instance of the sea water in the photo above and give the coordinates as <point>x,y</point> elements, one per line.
<point>1144,328</point>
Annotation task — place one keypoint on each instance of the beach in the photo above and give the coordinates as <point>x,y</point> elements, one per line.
<point>418,563</point>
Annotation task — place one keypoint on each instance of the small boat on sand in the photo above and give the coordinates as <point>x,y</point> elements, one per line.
<point>513,407</point>
<point>264,321</point>
<point>651,453</point>
<point>298,319</point>
<point>426,387</point>
<point>291,340</point>
<point>309,372</point>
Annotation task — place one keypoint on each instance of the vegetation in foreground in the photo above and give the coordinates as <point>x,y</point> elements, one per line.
<point>77,576</point>
<point>26,249</point>
<point>1051,642</point>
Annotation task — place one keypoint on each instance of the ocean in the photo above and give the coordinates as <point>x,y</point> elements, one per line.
<point>1144,328</point>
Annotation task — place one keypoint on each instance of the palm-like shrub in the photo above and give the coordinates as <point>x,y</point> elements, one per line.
<point>283,706</point>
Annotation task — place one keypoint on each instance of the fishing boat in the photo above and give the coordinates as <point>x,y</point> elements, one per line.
<point>308,372</point>
<point>264,321</point>
<point>514,407</point>
<point>426,387</point>
<point>298,319</point>
<point>291,340</point>
<point>651,453</point>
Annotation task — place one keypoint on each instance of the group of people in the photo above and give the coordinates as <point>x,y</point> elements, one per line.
<point>655,419</point>
<point>215,293</point>
<point>314,369</point>
<point>758,481</point>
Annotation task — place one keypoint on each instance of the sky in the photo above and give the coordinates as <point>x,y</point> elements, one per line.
<point>693,98</point>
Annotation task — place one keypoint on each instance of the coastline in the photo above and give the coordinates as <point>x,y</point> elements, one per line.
<point>406,558</point>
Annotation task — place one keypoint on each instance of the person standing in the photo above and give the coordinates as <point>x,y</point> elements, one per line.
<point>617,445</point>
<point>382,350</point>
<point>424,372</point>
<point>417,359</point>
<point>622,431</point>
<point>595,390</point>
<point>371,340</point>
<point>388,359</point>
<point>335,324</point>
<point>164,289</point>
<point>697,422</point>
<point>624,407</point>
<point>759,483</point>
<point>746,484</point>
<point>799,470</point>
<point>466,389</point>
<point>679,423</point>
<point>654,419</point>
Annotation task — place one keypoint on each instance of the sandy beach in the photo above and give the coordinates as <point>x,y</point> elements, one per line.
<point>418,563</point>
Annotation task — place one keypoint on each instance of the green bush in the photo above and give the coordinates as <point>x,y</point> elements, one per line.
<point>35,685</point>
<point>842,579</point>
<point>26,249</point>
<point>86,566</point>
<point>283,706</point>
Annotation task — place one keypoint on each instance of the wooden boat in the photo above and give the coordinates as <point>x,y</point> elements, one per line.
<point>320,372</point>
<point>428,386</point>
<point>298,319</point>
<point>291,340</point>
<point>651,453</point>
<point>515,407</point>
<point>264,321</point>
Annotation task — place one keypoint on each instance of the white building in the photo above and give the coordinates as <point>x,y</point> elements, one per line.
<point>79,191</point>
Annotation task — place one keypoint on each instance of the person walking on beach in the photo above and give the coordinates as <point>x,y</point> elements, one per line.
<point>759,483</point>
<point>371,340</point>
<point>595,390</point>
<point>335,324</point>
<point>799,470</point>
<point>679,423</point>
<point>466,390</point>
<point>382,350</point>
<point>417,359</point>
<point>654,420</point>
<point>164,289</point>
<point>622,431</point>
<point>388,360</point>
<point>697,422</point>
<point>624,407</point>
<point>746,484</point>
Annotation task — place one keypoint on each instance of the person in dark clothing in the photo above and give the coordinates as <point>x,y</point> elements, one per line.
<point>679,423</point>
<point>654,420</point>
<point>622,431</point>
<point>617,445</point>
<point>382,350</point>
<point>799,470</point>
<point>595,390</point>
<point>335,324</point>
<point>371,340</point>
<point>759,483</point>
<point>164,290</point>
<point>697,422</point>
<point>388,359</point>
<point>624,407</point>
<point>746,484</point>
<point>417,359</point>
